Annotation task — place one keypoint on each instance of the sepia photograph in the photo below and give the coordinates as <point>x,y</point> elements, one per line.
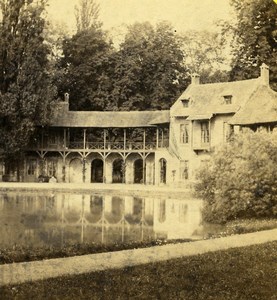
<point>138,149</point>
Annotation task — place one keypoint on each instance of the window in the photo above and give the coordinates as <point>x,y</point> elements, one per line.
<point>184,133</point>
<point>205,132</point>
<point>185,102</point>
<point>228,99</point>
<point>32,166</point>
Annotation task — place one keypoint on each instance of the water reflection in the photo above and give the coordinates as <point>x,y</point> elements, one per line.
<point>56,219</point>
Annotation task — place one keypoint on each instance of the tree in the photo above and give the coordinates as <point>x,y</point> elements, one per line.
<point>26,92</point>
<point>241,179</point>
<point>84,68</point>
<point>86,14</point>
<point>149,70</point>
<point>254,38</point>
<point>205,55</point>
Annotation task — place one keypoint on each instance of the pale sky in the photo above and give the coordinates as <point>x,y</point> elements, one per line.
<point>183,14</point>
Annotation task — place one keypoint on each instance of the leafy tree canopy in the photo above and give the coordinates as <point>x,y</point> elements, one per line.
<point>86,14</point>
<point>26,92</point>
<point>254,38</point>
<point>149,69</point>
<point>205,55</point>
<point>84,67</point>
<point>147,72</point>
<point>241,179</point>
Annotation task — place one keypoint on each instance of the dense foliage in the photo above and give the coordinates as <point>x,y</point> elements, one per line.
<point>204,54</point>
<point>26,92</point>
<point>241,179</point>
<point>254,38</point>
<point>147,71</point>
<point>84,68</point>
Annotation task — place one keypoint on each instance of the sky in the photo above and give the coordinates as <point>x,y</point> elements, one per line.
<point>182,14</point>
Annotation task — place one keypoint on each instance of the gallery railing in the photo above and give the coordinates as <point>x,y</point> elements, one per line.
<point>120,145</point>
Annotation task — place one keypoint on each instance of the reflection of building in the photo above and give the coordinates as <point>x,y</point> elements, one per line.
<point>152,147</point>
<point>64,218</point>
<point>177,218</point>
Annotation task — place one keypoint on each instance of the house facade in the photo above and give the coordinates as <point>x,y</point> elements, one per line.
<point>146,147</point>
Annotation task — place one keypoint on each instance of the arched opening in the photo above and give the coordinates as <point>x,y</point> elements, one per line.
<point>76,171</point>
<point>97,170</point>
<point>138,171</point>
<point>162,170</point>
<point>118,171</point>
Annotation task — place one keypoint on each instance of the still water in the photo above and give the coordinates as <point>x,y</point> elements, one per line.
<point>56,219</point>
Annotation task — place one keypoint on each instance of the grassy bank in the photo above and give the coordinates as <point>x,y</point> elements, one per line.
<point>243,273</point>
<point>24,254</point>
<point>240,226</point>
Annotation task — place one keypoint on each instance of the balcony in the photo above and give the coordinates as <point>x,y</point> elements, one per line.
<point>201,147</point>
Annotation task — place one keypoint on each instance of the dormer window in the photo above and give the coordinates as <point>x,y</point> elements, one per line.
<point>185,102</point>
<point>228,99</point>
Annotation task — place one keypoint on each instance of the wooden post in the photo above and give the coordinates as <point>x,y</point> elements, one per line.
<point>144,139</point>
<point>157,137</point>
<point>124,170</point>
<point>42,138</point>
<point>105,133</point>
<point>104,169</point>
<point>68,137</point>
<point>144,170</point>
<point>85,138</point>
<point>64,138</point>
<point>124,142</point>
<point>84,169</point>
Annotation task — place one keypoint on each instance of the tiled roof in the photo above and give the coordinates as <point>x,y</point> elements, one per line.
<point>209,98</point>
<point>260,108</point>
<point>100,119</point>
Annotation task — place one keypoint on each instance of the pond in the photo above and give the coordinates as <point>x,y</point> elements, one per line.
<point>58,219</point>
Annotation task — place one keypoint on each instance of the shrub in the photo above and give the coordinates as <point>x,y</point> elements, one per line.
<point>240,180</point>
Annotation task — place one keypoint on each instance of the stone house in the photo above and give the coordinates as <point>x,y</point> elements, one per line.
<point>148,147</point>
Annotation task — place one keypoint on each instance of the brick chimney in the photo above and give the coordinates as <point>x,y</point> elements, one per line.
<point>66,97</point>
<point>195,79</point>
<point>264,74</point>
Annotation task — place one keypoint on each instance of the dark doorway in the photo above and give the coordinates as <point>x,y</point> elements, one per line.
<point>118,171</point>
<point>97,170</point>
<point>138,171</point>
<point>162,170</point>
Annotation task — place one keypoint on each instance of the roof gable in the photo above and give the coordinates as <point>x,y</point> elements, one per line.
<point>260,108</point>
<point>209,98</point>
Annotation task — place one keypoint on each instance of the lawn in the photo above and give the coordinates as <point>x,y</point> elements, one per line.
<point>242,273</point>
